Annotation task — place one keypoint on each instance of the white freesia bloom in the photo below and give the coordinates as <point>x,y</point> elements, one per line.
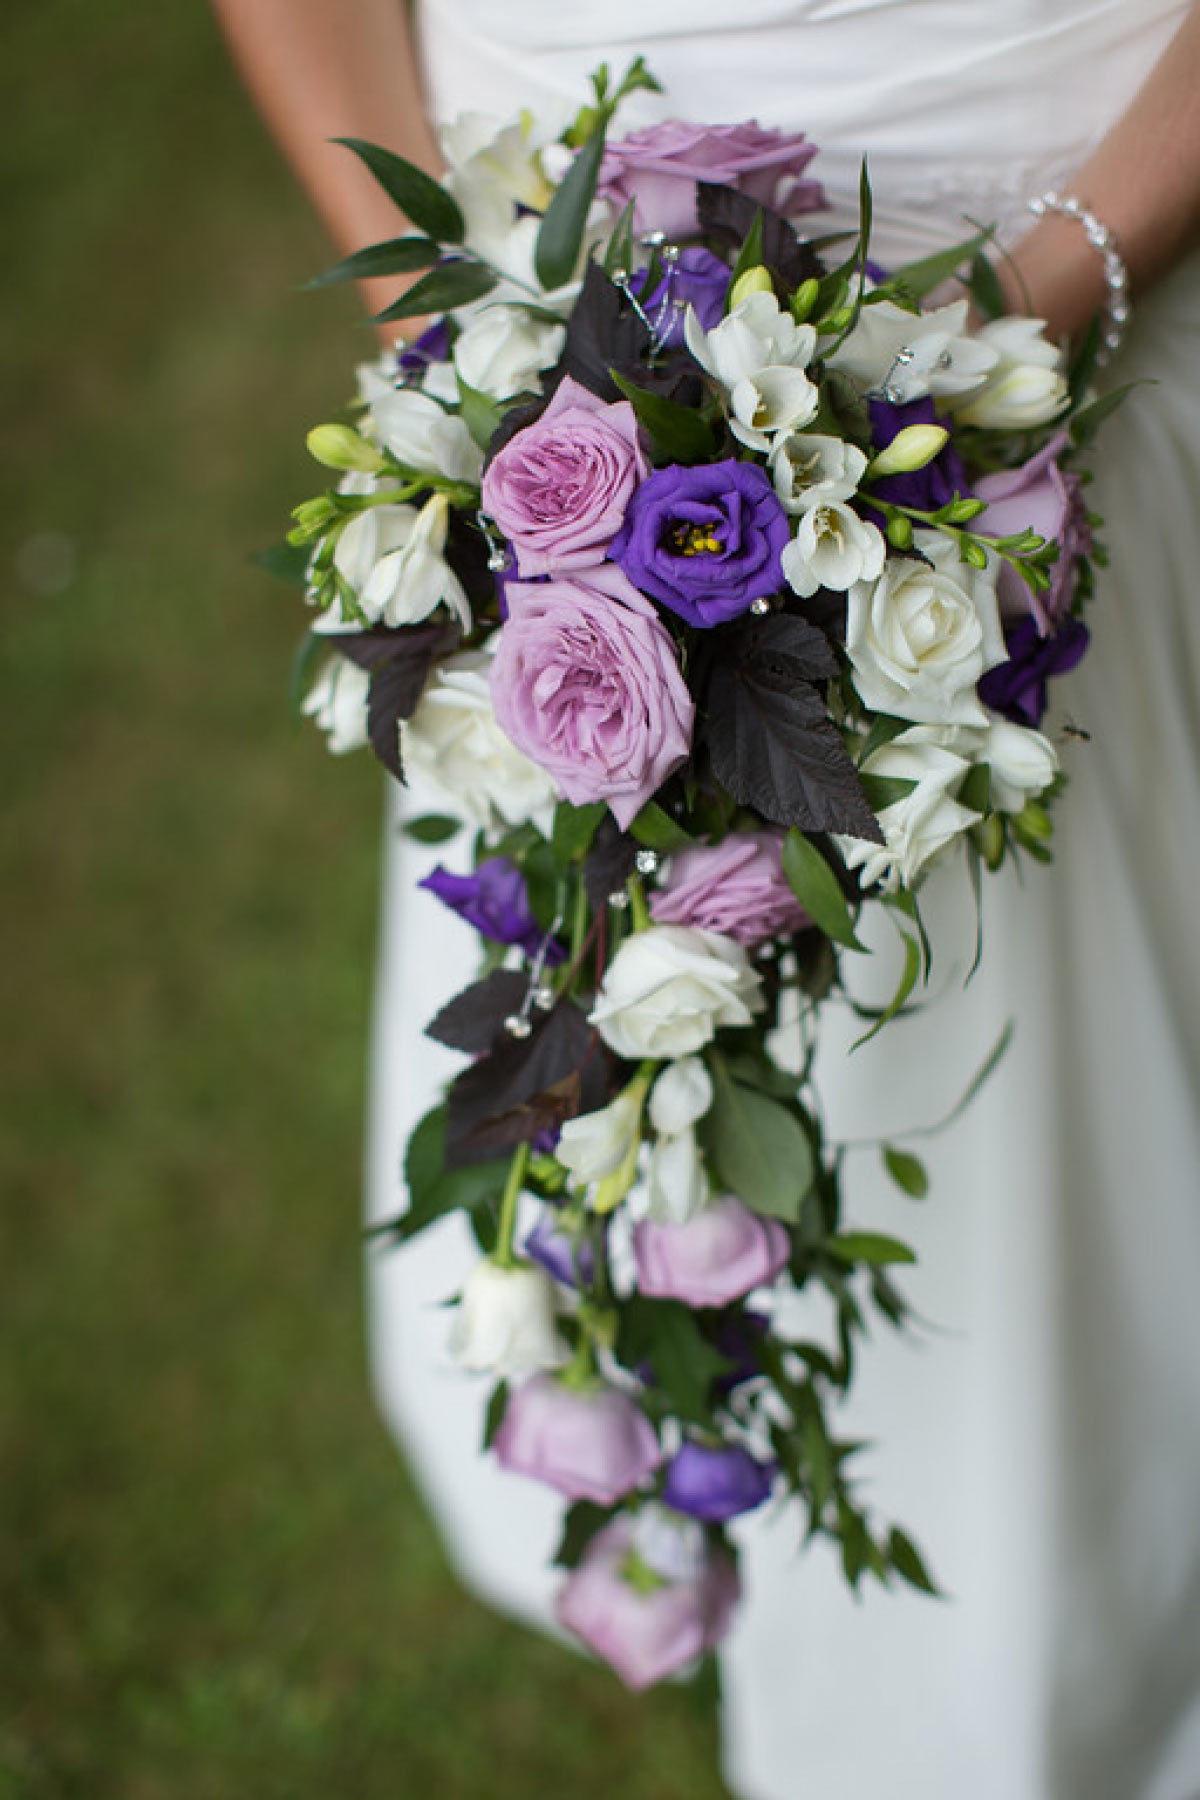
<point>596,1144</point>
<point>418,432</point>
<point>1023,763</point>
<point>918,827</point>
<point>772,401</point>
<point>1027,386</point>
<point>678,1184</point>
<point>922,634</point>
<point>670,987</point>
<point>758,355</point>
<point>411,579</point>
<point>363,540</point>
<point>338,703</point>
<point>682,1095</point>
<point>811,469</point>
<point>505,1321</point>
<point>453,744</point>
<point>913,355</point>
<point>501,351</point>
<point>832,548</point>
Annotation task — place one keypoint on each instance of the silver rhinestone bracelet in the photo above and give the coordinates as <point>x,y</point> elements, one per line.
<point>1116,275</point>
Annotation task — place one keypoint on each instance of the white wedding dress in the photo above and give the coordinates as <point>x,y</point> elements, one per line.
<point>1039,1433</point>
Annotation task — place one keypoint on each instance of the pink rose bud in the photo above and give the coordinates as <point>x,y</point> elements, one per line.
<point>736,887</point>
<point>719,1255</point>
<point>589,1443</point>
<point>644,1623</point>
<point>559,488</point>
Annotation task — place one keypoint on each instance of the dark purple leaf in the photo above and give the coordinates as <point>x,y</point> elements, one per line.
<point>525,1086</point>
<point>610,862</point>
<point>726,219</point>
<point>399,661</point>
<point>604,333</point>
<point>473,1020</point>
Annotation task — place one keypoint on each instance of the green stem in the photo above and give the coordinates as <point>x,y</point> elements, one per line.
<point>580,1372</point>
<point>505,1253</point>
<point>637,904</point>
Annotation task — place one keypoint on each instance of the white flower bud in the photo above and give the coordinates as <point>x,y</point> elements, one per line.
<point>910,449</point>
<point>505,1321</point>
<point>682,1094</point>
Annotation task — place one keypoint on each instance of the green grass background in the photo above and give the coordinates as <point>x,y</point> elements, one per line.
<point>216,1580</point>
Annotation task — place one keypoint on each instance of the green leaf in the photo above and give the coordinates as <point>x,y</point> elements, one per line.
<point>908,1563</point>
<point>679,433</point>
<point>665,1334</point>
<point>480,413</point>
<point>431,828</point>
<point>816,887</point>
<point>580,1525</point>
<point>656,829</point>
<point>435,1190</point>
<point>560,235</point>
<point>885,790</point>
<point>758,1147</point>
<point>873,1247</point>
<point>982,1074</point>
<point>423,200</point>
<point>750,256</point>
<point>574,829</point>
<point>904,987</point>
<point>286,562</point>
<point>1084,426</point>
<point>494,1417</point>
<point>883,730</point>
<point>920,278</point>
<point>398,256</point>
<point>976,790</point>
<point>907,1171</point>
<point>456,282</point>
<point>305,663</point>
<point>618,255</point>
<point>984,288</point>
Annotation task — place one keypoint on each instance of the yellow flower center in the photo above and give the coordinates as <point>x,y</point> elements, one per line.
<point>694,540</point>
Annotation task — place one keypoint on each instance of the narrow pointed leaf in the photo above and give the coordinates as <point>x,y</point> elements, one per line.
<point>457,282</point>
<point>679,434</point>
<point>560,237</point>
<point>907,1171</point>
<point>873,1247</point>
<point>421,198</point>
<point>816,888</point>
<point>398,256</point>
<point>904,987</point>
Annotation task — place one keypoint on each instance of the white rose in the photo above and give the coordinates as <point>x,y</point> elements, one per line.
<point>596,1144</point>
<point>338,703</point>
<point>925,822</point>
<point>813,470</point>
<point>502,351</point>
<point>453,743</point>
<point>1026,387</point>
<point>682,1095</point>
<point>417,431</point>
<point>505,1321</point>
<point>922,634</point>
<point>670,987</point>
<point>832,548</point>
<point>1023,763</point>
<point>907,356</point>
<point>678,1182</point>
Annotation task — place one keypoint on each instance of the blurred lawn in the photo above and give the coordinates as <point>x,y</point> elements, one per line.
<point>215,1578</point>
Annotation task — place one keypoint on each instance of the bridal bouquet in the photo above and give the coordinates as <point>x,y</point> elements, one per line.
<point>705,586</point>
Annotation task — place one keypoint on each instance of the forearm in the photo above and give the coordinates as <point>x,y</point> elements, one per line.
<point>1143,181</point>
<point>320,69</point>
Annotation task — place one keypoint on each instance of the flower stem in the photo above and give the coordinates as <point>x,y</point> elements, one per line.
<point>637,904</point>
<point>505,1254</point>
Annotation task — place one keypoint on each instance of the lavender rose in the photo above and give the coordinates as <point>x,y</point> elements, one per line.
<point>559,488</point>
<point>586,683</point>
<point>736,887</point>
<point>590,1444</point>
<point>495,900</point>
<point>1042,497</point>
<point>645,1614</point>
<point>718,1256</point>
<point>705,541</point>
<point>658,168</point>
<point>716,1482</point>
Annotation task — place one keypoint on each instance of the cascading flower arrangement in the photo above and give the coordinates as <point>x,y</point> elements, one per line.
<point>707,586</point>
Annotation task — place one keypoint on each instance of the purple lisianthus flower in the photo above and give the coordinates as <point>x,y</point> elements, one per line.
<point>736,887</point>
<point>740,1337</point>
<point>658,168</point>
<point>559,488</point>
<point>586,682</point>
<point>647,1628</point>
<point>569,1259</point>
<point>705,541</point>
<point>495,900</point>
<point>589,1443</point>
<point>432,346</point>
<point>1041,497</point>
<point>926,488</point>
<point>699,280</point>
<point>1017,688</point>
<point>716,1482</point>
<point>722,1252</point>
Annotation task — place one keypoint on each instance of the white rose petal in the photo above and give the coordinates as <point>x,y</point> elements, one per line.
<point>1023,763</point>
<point>502,351</point>
<point>922,634</point>
<point>669,988</point>
<point>678,1183</point>
<point>338,703</point>
<point>682,1095</point>
<point>453,744</point>
<point>505,1321</point>
<point>925,822</point>
<point>813,470</point>
<point>832,548</point>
